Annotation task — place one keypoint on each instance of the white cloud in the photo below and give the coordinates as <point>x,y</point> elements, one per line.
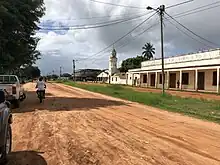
<point>59,48</point>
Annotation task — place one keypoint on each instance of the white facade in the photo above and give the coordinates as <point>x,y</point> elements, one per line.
<point>198,72</point>
<point>112,65</point>
<point>119,78</point>
<point>103,77</point>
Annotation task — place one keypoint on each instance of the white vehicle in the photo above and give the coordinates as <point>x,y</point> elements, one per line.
<point>10,84</point>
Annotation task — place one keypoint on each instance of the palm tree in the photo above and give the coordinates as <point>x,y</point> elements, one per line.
<point>149,51</point>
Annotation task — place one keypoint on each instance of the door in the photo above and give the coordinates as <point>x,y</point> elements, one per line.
<point>172,80</point>
<point>152,80</point>
<point>135,81</point>
<point>201,80</point>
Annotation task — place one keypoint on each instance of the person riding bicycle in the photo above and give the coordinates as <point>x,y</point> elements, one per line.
<point>41,85</point>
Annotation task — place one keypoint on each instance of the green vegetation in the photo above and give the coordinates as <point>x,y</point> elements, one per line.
<point>18,26</point>
<point>135,62</point>
<point>199,108</point>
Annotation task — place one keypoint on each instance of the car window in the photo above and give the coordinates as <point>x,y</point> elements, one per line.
<point>8,80</point>
<point>13,79</point>
<point>1,79</point>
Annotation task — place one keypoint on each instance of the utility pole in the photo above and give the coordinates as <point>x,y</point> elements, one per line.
<point>74,72</point>
<point>161,11</point>
<point>60,71</point>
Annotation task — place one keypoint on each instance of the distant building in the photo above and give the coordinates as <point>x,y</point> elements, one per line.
<point>118,78</point>
<point>87,74</point>
<point>112,75</point>
<point>194,72</point>
<point>103,76</point>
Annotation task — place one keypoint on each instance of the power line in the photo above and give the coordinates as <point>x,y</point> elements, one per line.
<point>179,4</point>
<point>94,25</point>
<point>188,12</point>
<point>204,6</point>
<point>109,23</point>
<point>125,35</point>
<point>135,37</point>
<point>136,7</point>
<point>191,30</point>
<point>188,34</point>
<point>106,22</point>
<point>119,5</point>
<point>97,17</point>
<point>194,12</point>
<point>103,50</point>
<point>176,16</point>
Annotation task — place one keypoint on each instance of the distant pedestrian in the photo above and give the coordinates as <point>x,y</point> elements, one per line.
<point>178,84</point>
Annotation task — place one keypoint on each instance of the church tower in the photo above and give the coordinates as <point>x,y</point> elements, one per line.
<point>113,62</point>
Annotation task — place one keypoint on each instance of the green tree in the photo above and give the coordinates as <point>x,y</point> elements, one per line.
<point>18,25</point>
<point>30,72</point>
<point>66,75</point>
<point>149,51</point>
<point>131,63</point>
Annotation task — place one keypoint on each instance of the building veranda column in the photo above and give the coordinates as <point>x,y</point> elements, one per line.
<point>218,89</point>
<point>196,80</point>
<point>132,79</point>
<point>181,79</point>
<point>148,78</point>
<point>168,79</point>
<point>156,79</point>
<point>140,79</point>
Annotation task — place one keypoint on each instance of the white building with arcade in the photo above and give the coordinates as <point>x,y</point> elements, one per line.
<point>193,72</point>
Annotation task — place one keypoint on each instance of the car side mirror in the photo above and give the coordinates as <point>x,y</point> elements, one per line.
<point>8,104</point>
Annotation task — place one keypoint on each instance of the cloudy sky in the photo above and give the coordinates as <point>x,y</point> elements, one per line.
<point>60,47</point>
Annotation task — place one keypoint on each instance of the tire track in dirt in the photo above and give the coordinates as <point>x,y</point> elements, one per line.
<point>109,134</point>
<point>176,140</point>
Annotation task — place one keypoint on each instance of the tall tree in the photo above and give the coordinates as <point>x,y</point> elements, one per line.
<point>149,51</point>
<point>131,63</point>
<point>18,25</point>
<point>29,72</point>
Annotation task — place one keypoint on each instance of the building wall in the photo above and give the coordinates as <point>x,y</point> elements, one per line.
<point>112,65</point>
<point>158,81</point>
<point>130,79</point>
<point>208,80</point>
<point>191,85</point>
<point>119,80</point>
<point>196,59</point>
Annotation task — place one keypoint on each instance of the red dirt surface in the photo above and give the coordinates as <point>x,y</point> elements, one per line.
<point>76,127</point>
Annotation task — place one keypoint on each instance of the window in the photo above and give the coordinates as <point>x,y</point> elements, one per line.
<point>116,79</point>
<point>214,78</point>
<point>160,80</point>
<point>145,79</point>
<point>112,79</point>
<point>130,78</point>
<point>185,78</point>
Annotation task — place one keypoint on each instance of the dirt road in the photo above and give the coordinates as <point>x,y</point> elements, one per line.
<point>75,127</point>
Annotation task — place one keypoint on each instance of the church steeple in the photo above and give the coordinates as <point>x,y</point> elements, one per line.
<point>113,62</point>
<point>114,53</point>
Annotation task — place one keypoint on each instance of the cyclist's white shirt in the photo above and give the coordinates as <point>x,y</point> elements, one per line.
<point>40,85</point>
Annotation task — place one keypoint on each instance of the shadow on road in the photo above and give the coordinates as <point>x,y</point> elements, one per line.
<point>53,103</point>
<point>26,158</point>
